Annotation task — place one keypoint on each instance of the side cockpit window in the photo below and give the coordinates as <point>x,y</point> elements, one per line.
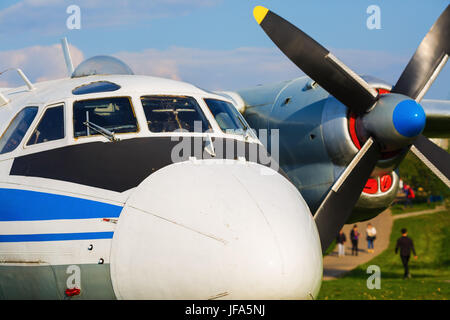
<point>91,117</point>
<point>226,115</point>
<point>51,126</point>
<point>17,129</point>
<point>170,113</point>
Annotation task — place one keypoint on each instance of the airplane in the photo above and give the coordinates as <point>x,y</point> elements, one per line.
<point>121,186</point>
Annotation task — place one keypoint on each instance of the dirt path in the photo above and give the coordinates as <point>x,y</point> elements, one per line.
<point>418,213</point>
<point>334,266</point>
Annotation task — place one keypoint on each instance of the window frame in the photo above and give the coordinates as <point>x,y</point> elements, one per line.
<point>25,136</point>
<point>40,118</point>
<point>169,95</point>
<point>97,135</point>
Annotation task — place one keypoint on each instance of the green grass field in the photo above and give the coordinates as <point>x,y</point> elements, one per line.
<point>430,272</point>
<point>400,208</point>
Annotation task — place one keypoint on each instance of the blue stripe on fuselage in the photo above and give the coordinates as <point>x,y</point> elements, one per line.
<point>24,205</point>
<point>55,236</point>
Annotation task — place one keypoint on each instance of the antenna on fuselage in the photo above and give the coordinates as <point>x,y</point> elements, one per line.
<point>3,100</point>
<point>24,78</point>
<point>67,57</point>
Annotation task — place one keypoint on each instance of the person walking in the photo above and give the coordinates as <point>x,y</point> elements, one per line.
<point>409,192</point>
<point>406,245</point>
<point>354,237</point>
<point>371,234</point>
<point>340,239</point>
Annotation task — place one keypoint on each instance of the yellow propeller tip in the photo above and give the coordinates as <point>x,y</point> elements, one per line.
<point>260,13</point>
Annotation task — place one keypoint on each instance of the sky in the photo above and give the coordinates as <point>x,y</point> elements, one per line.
<point>214,44</point>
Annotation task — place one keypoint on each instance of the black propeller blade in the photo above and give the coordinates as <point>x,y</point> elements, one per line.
<point>435,158</point>
<point>342,197</point>
<point>317,62</point>
<point>427,61</point>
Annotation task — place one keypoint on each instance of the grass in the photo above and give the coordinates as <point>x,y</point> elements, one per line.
<point>430,272</point>
<point>330,248</point>
<point>400,208</point>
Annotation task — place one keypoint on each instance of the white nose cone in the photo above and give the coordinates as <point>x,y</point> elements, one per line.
<point>206,230</point>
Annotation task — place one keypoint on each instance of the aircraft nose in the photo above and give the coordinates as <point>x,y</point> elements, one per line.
<point>206,230</point>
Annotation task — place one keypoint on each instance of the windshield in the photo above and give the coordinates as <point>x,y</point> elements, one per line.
<point>227,117</point>
<point>170,113</point>
<point>113,114</point>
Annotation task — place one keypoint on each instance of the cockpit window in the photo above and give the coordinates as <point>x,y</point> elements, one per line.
<point>51,126</point>
<point>169,113</point>
<point>113,114</point>
<point>226,115</point>
<point>17,129</point>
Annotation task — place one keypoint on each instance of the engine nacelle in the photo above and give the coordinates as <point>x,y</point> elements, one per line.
<point>317,139</point>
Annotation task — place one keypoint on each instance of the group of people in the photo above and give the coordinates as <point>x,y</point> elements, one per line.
<point>404,245</point>
<point>371,234</point>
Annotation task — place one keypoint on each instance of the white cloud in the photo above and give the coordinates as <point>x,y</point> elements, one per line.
<point>4,84</point>
<point>214,69</point>
<point>210,69</point>
<point>39,63</point>
<point>242,67</point>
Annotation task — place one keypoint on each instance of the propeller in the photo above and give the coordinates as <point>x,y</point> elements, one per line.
<point>390,122</point>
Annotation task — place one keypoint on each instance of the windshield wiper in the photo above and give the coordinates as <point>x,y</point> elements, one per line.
<point>245,128</point>
<point>104,132</point>
<point>245,132</point>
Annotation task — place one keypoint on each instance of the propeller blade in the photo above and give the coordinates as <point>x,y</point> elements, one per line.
<point>428,60</point>
<point>433,157</point>
<point>317,62</point>
<point>337,206</point>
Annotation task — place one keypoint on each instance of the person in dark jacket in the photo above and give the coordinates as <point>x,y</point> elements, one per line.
<point>406,245</point>
<point>354,237</point>
<point>340,239</point>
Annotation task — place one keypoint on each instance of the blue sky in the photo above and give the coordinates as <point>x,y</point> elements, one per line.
<point>215,44</point>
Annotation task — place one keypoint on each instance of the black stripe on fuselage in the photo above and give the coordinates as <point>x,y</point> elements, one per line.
<point>122,165</point>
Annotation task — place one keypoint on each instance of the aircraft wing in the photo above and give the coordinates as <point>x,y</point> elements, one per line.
<point>438,118</point>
